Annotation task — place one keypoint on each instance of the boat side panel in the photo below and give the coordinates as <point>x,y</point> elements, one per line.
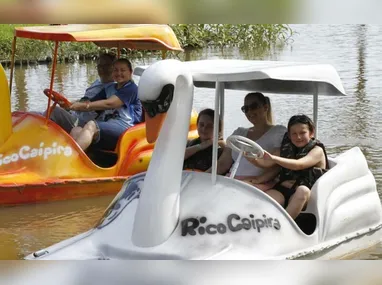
<point>229,220</point>
<point>346,198</point>
<point>29,194</point>
<point>38,150</point>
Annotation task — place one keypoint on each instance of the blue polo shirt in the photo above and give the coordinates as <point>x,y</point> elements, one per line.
<point>131,111</point>
<point>95,88</point>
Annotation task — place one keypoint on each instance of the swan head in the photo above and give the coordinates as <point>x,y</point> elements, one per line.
<point>156,92</point>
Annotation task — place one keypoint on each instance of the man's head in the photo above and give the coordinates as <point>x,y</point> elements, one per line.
<point>105,66</point>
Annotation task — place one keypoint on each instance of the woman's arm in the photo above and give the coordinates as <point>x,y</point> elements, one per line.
<point>111,103</point>
<point>224,162</point>
<point>191,150</point>
<point>311,159</point>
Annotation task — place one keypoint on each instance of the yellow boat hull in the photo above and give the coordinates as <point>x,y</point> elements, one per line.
<point>40,162</point>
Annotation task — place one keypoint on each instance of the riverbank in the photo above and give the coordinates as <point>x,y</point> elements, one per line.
<point>190,36</point>
<point>40,52</point>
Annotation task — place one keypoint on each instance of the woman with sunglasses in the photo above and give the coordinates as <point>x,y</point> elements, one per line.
<point>257,109</point>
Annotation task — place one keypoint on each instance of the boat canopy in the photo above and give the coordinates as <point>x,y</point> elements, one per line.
<point>133,36</point>
<point>277,77</point>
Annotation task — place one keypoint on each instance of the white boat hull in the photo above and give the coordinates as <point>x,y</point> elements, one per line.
<point>232,220</point>
<point>170,214</point>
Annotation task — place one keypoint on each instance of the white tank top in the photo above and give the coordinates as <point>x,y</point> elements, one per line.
<point>269,142</point>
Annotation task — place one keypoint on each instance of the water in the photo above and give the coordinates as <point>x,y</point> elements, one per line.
<point>344,122</point>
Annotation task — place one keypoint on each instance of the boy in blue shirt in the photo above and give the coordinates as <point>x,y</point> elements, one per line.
<point>125,110</point>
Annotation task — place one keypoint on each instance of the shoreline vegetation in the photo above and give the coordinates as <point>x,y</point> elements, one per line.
<point>259,38</point>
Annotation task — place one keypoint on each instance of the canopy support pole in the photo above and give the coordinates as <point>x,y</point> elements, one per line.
<point>221,112</point>
<point>49,109</point>
<point>219,92</point>
<point>315,108</point>
<point>12,64</point>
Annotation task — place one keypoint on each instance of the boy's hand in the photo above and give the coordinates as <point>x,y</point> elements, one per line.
<point>250,158</point>
<point>267,156</point>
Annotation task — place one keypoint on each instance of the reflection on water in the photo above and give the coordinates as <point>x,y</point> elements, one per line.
<point>344,122</point>
<point>29,228</point>
<point>21,90</point>
<point>361,122</point>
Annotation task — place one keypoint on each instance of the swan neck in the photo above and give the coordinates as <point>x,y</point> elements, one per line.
<point>157,214</point>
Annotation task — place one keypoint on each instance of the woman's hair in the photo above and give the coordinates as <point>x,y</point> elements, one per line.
<point>125,61</point>
<point>210,113</point>
<point>264,100</point>
<point>301,119</point>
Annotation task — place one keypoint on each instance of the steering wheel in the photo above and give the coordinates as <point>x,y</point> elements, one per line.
<point>58,98</point>
<point>242,144</point>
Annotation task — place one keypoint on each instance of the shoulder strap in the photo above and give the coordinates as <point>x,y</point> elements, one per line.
<point>320,144</point>
<point>287,149</point>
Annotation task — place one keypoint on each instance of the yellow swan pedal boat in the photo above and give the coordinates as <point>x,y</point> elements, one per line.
<point>39,161</point>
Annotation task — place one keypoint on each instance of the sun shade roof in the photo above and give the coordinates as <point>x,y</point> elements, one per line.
<point>139,37</point>
<point>278,77</point>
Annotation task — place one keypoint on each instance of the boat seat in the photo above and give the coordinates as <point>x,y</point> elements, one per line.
<point>108,158</point>
<point>102,158</point>
<point>307,220</point>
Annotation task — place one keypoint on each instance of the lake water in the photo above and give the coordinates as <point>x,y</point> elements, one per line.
<point>344,122</point>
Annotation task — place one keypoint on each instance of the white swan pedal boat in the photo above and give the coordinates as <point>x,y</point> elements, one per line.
<point>168,213</point>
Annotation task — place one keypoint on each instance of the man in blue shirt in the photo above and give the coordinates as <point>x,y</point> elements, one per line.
<point>104,85</point>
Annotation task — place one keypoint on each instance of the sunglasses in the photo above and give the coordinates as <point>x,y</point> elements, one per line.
<point>160,105</point>
<point>253,106</point>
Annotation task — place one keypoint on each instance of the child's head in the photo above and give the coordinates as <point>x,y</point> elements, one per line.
<point>300,129</point>
<point>205,123</point>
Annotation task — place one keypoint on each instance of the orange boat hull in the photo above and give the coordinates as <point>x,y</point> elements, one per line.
<point>40,162</point>
<point>60,190</point>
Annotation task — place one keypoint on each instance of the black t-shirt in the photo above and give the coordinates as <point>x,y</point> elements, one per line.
<point>202,160</point>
